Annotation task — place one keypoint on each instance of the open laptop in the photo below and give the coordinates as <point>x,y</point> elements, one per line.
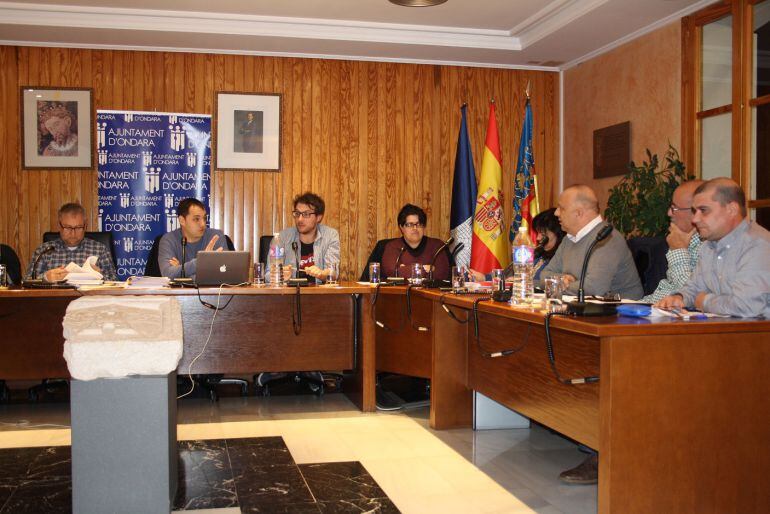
<point>216,268</point>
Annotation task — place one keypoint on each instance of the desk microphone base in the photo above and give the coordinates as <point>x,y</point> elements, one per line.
<point>591,309</point>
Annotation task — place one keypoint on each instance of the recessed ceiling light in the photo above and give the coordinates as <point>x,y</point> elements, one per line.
<point>417,3</point>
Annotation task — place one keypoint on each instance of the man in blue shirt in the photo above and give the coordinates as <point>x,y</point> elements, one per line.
<point>732,276</point>
<point>193,233</point>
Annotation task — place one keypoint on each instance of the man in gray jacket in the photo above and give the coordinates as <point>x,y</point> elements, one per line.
<point>310,248</point>
<point>611,268</point>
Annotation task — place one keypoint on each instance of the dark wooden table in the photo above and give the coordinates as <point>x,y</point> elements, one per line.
<point>253,333</point>
<point>680,416</point>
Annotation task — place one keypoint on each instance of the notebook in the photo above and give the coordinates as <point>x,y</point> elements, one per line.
<point>216,268</point>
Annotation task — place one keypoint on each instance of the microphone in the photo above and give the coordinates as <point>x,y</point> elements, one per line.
<point>48,249</point>
<point>437,283</point>
<point>295,248</point>
<point>580,307</point>
<point>184,254</point>
<point>457,249</point>
<point>398,259</point>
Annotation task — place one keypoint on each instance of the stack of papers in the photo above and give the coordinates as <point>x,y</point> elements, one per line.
<point>85,274</point>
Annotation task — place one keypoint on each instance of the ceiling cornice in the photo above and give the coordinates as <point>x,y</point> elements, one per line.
<point>554,16</point>
<point>15,13</point>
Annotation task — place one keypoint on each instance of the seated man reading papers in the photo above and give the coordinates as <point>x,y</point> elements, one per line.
<point>71,247</point>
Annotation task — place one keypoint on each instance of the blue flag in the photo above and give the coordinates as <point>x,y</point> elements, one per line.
<point>463,196</point>
<point>525,197</point>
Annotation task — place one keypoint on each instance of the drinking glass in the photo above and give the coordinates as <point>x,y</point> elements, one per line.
<point>334,274</point>
<point>418,273</point>
<point>458,277</point>
<point>554,290</point>
<point>374,272</point>
<point>498,276</point>
<point>259,274</point>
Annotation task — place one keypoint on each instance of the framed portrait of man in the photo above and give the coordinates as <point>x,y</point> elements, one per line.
<point>56,128</point>
<point>248,131</point>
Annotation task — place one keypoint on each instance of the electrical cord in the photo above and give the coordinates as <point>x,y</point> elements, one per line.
<point>452,314</point>
<point>208,305</point>
<point>484,352</point>
<point>552,358</point>
<point>296,323</point>
<point>419,328</point>
<point>211,330</point>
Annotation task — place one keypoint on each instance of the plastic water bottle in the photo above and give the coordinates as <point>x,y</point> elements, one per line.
<point>276,261</point>
<point>523,260</point>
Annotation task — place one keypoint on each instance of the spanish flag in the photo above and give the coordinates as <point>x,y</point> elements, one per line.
<point>490,246</point>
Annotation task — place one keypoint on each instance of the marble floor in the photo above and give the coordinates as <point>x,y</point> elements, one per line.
<point>418,469</point>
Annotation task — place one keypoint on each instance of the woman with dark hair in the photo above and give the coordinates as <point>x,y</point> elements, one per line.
<point>549,236</point>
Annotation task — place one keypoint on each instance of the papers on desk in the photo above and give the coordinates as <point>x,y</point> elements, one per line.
<point>85,274</point>
<point>147,283</point>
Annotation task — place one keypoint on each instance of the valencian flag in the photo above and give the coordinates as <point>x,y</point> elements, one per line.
<point>490,246</point>
<point>463,196</point>
<point>525,204</point>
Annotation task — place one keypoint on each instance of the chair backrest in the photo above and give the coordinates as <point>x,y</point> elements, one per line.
<point>152,268</point>
<point>12,265</point>
<point>650,258</point>
<point>264,248</point>
<point>103,237</point>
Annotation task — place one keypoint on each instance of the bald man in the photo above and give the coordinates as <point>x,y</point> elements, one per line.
<point>611,268</point>
<point>683,243</point>
<point>732,276</point>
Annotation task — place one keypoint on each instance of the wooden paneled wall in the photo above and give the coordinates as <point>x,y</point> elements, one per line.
<point>367,136</point>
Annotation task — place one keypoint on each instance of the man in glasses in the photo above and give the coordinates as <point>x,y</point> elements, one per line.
<point>732,277</point>
<point>683,243</point>
<point>72,246</point>
<point>309,246</point>
<point>193,235</point>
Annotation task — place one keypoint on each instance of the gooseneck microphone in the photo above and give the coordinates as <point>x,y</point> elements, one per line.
<point>398,259</point>
<point>580,307</point>
<point>435,255</point>
<point>47,249</point>
<point>457,250</point>
<point>35,282</point>
<point>295,249</point>
<point>184,254</point>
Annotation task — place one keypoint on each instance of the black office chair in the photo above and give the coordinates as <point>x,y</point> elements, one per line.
<point>9,258</point>
<point>264,248</point>
<point>649,255</point>
<point>102,237</point>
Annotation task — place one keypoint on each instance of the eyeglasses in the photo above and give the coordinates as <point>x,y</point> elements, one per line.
<point>413,225</point>
<point>67,228</point>
<point>305,214</point>
<point>674,208</point>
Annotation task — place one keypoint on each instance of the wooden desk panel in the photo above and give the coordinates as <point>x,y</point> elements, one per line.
<point>253,333</point>
<point>401,348</point>
<point>525,382</point>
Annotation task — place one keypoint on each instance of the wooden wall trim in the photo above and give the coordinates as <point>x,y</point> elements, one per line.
<point>367,136</point>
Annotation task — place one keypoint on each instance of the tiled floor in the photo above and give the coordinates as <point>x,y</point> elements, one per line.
<point>419,469</point>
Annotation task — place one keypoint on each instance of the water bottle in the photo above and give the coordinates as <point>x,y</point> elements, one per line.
<point>276,261</point>
<point>523,260</point>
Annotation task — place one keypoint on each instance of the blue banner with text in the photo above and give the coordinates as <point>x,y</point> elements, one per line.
<point>148,161</point>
